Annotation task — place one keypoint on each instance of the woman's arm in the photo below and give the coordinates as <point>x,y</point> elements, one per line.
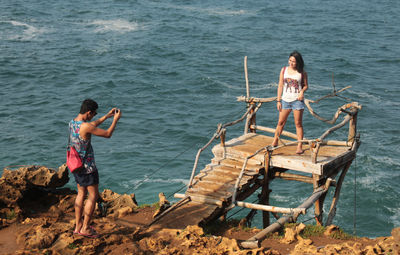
<point>305,86</point>
<point>280,89</point>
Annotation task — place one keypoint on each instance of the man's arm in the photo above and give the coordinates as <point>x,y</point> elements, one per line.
<point>90,128</point>
<point>97,122</point>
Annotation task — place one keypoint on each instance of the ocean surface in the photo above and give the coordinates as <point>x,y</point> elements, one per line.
<point>175,68</point>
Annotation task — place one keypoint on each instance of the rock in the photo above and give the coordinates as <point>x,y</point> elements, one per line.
<point>163,203</point>
<point>290,236</point>
<point>40,176</point>
<point>330,230</point>
<point>37,237</point>
<point>117,205</point>
<point>396,240</point>
<point>15,183</point>
<point>293,234</point>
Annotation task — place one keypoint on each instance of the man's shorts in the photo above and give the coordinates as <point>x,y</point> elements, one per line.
<point>295,105</point>
<point>85,180</point>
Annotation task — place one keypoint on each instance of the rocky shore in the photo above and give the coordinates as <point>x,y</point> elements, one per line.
<point>37,217</point>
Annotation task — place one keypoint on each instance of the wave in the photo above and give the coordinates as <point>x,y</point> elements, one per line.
<point>212,11</point>
<point>137,183</point>
<point>29,32</point>
<point>116,25</point>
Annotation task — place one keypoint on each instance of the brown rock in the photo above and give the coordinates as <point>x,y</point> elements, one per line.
<point>15,183</point>
<point>330,230</point>
<point>290,236</point>
<point>117,204</point>
<point>37,237</point>
<point>396,240</point>
<point>163,203</point>
<point>293,234</point>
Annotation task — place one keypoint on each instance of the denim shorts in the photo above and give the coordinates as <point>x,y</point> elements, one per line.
<point>85,180</point>
<point>295,105</point>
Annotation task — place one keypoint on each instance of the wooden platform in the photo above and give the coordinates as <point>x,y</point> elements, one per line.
<point>329,157</point>
<point>213,187</point>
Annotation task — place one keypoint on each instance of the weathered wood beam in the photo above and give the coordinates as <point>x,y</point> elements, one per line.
<point>264,198</point>
<point>270,208</point>
<point>255,241</point>
<point>255,99</point>
<point>332,210</point>
<point>200,199</point>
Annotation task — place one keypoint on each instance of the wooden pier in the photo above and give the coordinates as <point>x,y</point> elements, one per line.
<point>247,163</point>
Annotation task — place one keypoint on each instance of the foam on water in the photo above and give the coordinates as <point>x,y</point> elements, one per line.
<point>26,33</point>
<point>117,25</point>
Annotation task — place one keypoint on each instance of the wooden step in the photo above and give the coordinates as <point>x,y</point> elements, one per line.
<point>214,195</point>
<point>228,170</point>
<point>236,163</point>
<point>213,187</point>
<point>218,180</point>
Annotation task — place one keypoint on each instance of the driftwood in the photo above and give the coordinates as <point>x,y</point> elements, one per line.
<point>254,242</point>
<point>270,208</point>
<point>246,76</point>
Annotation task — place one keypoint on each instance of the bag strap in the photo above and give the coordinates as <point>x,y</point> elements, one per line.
<point>69,143</point>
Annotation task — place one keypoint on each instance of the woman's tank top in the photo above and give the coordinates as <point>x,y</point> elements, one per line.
<point>83,147</point>
<point>292,85</point>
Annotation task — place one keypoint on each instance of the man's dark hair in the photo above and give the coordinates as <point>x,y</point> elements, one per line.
<point>88,105</point>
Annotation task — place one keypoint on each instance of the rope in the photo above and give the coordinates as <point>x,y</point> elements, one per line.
<point>241,209</point>
<point>158,169</point>
<point>355,198</point>
<point>162,166</point>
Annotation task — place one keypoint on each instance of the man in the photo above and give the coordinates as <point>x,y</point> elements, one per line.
<point>87,178</point>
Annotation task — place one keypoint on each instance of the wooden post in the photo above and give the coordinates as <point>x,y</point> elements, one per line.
<point>352,128</point>
<point>264,199</point>
<point>252,122</point>
<point>223,133</point>
<point>332,210</point>
<point>246,77</point>
<point>318,205</point>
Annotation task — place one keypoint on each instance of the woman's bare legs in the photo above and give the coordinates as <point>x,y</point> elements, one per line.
<point>298,120</point>
<point>283,115</point>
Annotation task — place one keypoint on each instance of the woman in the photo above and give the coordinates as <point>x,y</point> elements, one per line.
<point>293,83</point>
<point>81,130</point>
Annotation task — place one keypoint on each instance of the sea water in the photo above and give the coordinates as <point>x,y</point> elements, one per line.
<point>175,68</point>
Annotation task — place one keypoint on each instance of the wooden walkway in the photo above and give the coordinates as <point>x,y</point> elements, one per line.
<point>213,188</point>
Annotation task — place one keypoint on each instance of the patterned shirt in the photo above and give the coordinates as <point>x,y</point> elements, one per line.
<point>292,85</point>
<point>81,147</point>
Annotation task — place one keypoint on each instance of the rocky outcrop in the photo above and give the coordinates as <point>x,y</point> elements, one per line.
<point>46,226</point>
<point>16,184</point>
<point>116,205</point>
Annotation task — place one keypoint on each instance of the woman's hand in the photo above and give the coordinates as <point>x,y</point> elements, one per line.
<point>301,96</point>
<point>279,105</point>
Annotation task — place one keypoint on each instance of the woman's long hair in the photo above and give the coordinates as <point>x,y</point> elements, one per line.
<point>299,61</point>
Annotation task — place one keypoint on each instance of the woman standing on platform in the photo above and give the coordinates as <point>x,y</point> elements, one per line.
<point>293,82</point>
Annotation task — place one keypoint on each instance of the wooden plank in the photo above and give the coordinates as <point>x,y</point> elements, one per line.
<point>220,177</point>
<point>213,195</point>
<point>298,163</point>
<point>236,163</point>
<point>191,213</point>
<point>339,160</point>
<point>223,171</point>
<point>217,186</point>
